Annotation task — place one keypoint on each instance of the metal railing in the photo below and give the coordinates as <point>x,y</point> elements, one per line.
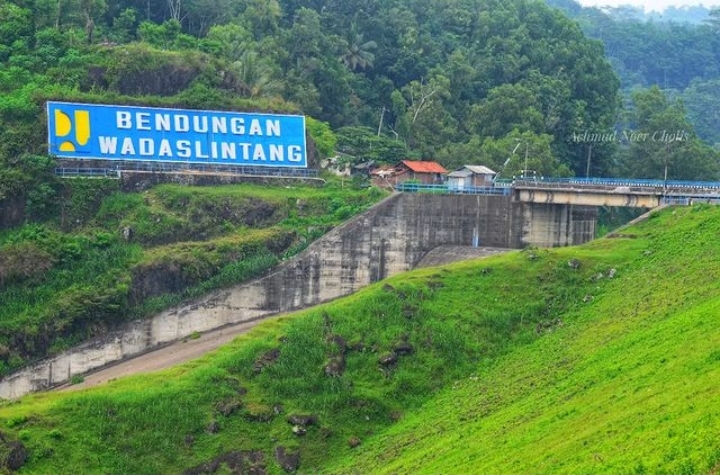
<point>87,173</point>
<point>167,167</point>
<point>620,182</point>
<point>453,190</point>
<point>213,168</point>
<point>672,191</point>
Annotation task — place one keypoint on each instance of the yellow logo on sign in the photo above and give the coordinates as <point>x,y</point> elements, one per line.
<point>64,127</point>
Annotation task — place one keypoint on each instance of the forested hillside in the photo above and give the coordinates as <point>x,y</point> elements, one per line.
<point>459,82</point>
<point>344,387</point>
<point>677,50</point>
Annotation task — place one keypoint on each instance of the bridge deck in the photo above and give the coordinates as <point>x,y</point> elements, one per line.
<point>598,191</point>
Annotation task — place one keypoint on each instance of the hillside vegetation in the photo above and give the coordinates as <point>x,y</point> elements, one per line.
<point>460,81</point>
<point>109,257</point>
<point>595,359</point>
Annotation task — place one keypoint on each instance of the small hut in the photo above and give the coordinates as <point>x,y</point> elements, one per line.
<point>471,176</point>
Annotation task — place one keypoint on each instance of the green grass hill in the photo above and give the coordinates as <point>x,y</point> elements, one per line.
<point>603,358</point>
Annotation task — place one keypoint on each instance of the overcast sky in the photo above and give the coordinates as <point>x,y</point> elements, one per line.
<point>649,5</point>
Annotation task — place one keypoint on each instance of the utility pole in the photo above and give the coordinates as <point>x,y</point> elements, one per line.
<point>667,157</point>
<point>587,171</point>
<point>382,114</point>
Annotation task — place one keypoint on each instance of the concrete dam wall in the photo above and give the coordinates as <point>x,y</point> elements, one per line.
<point>388,239</point>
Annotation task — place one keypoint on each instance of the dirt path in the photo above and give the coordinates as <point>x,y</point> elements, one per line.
<point>189,349</point>
<point>165,357</point>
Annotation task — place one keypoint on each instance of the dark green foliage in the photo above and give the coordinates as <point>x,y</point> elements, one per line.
<point>660,142</point>
<point>430,78</point>
<point>362,144</point>
<point>700,101</point>
<point>645,53</point>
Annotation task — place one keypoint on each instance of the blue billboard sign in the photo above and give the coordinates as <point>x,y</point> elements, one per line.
<point>108,132</point>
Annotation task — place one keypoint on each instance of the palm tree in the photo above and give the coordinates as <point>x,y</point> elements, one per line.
<point>358,54</point>
<point>257,75</point>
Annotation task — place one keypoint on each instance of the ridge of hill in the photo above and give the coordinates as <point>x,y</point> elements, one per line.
<point>594,359</point>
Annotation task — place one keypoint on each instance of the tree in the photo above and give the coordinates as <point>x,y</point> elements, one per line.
<point>15,29</point>
<point>358,54</point>
<point>232,40</point>
<point>257,74</point>
<point>660,143</point>
<point>175,7</point>
<point>423,122</point>
<point>702,100</point>
<point>124,26</point>
<point>166,36</point>
<point>201,15</point>
<point>319,81</point>
<point>421,95</point>
<point>507,107</point>
<point>363,144</point>
<point>518,153</point>
<point>91,10</point>
<point>261,17</point>
<point>305,40</point>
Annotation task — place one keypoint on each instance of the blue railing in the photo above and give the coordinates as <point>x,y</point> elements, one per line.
<point>620,182</point>
<point>672,191</point>
<point>446,189</point>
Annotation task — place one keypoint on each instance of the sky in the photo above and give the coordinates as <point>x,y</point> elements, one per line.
<point>649,5</point>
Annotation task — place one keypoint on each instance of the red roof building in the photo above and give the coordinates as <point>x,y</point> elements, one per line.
<point>421,171</point>
<point>423,167</point>
<point>424,172</point>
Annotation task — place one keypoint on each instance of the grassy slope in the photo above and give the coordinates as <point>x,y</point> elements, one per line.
<point>628,385</point>
<point>514,370</point>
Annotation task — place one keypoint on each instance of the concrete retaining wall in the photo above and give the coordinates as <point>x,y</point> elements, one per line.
<point>390,238</point>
